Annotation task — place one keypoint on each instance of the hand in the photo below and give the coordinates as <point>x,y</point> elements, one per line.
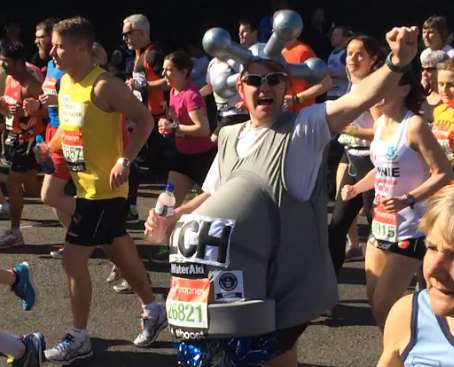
<point>403,42</point>
<point>30,105</point>
<point>41,152</point>
<point>130,83</point>
<point>240,106</point>
<point>395,204</point>
<point>348,192</point>
<point>48,100</point>
<point>351,129</point>
<point>164,126</point>
<point>167,224</point>
<point>288,101</point>
<point>15,110</point>
<point>118,175</point>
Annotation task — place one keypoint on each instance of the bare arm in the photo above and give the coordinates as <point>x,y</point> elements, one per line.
<point>206,90</point>
<point>348,192</point>
<point>156,84</point>
<point>397,333</point>
<point>200,126</point>
<point>316,89</point>
<point>112,95</point>
<point>403,43</point>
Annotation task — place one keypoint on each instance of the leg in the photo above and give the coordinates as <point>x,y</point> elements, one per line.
<point>287,359</point>
<point>391,284</point>
<point>374,264</point>
<point>123,253</point>
<point>343,215</point>
<point>53,194</point>
<point>182,185</point>
<point>11,345</point>
<point>16,197</point>
<point>75,263</point>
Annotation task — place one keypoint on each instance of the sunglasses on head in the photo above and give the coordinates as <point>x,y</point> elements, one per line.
<point>271,79</point>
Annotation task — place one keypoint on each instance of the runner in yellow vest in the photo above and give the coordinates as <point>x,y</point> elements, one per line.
<point>91,104</point>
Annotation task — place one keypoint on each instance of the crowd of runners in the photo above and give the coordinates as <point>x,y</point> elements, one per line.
<point>382,119</point>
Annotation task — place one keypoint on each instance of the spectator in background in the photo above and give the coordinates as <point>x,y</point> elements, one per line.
<point>43,33</point>
<point>248,32</point>
<point>336,62</point>
<point>429,63</point>
<point>99,55</point>
<point>316,33</point>
<point>435,34</point>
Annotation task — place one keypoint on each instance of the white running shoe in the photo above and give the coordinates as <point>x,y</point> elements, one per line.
<point>69,350</point>
<point>57,254</point>
<point>11,238</point>
<point>151,327</point>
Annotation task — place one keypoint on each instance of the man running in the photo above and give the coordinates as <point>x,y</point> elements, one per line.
<point>91,103</point>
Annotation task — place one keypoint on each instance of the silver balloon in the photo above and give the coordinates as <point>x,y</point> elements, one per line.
<point>224,85</point>
<point>258,50</point>
<point>218,43</point>
<point>287,26</point>
<point>313,70</point>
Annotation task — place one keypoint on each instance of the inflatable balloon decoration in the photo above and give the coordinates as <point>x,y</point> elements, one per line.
<point>215,257</point>
<point>287,26</point>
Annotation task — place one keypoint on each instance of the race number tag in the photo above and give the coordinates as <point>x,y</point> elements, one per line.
<point>384,225</point>
<point>203,240</point>
<point>9,122</point>
<point>444,136</point>
<point>73,150</point>
<point>187,306</point>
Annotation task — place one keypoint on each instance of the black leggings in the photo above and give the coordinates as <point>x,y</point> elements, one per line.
<point>346,211</point>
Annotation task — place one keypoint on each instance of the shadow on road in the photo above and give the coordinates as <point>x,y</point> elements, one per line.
<point>352,276</point>
<point>345,315</point>
<point>162,355</point>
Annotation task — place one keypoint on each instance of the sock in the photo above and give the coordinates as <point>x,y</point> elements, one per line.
<point>150,309</point>
<point>79,334</point>
<point>11,345</point>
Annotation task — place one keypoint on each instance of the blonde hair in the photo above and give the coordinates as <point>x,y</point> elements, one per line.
<point>446,65</point>
<point>138,21</point>
<point>99,54</point>
<point>439,210</point>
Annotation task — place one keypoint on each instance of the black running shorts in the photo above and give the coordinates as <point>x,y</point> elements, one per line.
<point>97,222</point>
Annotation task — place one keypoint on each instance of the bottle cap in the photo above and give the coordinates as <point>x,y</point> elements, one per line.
<point>39,139</point>
<point>170,187</point>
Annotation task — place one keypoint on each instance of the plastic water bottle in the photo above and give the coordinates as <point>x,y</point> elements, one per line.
<point>164,208</point>
<point>41,149</point>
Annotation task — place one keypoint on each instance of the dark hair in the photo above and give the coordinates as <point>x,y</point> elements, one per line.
<point>438,23</point>
<point>47,25</point>
<point>77,28</point>
<point>181,60</point>
<point>416,95</point>
<point>12,50</point>
<point>252,22</point>
<point>346,30</point>
<point>372,47</point>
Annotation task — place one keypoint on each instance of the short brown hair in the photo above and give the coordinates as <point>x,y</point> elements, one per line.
<point>181,60</point>
<point>77,28</point>
<point>438,23</point>
<point>46,25</point>
<point>446,65</point>
<point>273,65</point>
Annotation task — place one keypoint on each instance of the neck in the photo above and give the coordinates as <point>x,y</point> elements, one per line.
<point>180,86</point>
<point>395,113</point>
<point>81,71</point>
<point>22,77</point>
<point>262,122</point>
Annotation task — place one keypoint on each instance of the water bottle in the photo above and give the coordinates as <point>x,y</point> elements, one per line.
<point>164,208</point>
<point>41,149</point>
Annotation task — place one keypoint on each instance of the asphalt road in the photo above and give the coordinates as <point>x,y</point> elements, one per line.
<point>348,339</point>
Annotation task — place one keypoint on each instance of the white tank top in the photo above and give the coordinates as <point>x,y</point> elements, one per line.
<point>399,170</point>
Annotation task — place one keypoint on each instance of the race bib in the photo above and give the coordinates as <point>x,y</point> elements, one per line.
<point>9,121</point>
<point>203,240</point>
<point>384,225</point>
<point>73,150</point>
<point>187,307</point>
<point>445,138</point>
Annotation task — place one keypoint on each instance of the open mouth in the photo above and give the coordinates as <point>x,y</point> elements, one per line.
<point>264,101</point>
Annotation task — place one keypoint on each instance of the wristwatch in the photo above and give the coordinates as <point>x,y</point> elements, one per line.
<point>396,68</point>
<point>125,162</point>
<point>411,200</point>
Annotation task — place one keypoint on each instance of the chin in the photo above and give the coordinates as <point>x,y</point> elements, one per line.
<point>442,304</point>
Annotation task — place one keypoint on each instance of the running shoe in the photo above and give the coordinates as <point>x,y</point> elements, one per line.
<point>114,275</point>
<point>123,287</point>
<point>354,253</point>
<point>57,254</point>
<point>133,215</point>
<point>151,327</point>
<point>24,287</point>
<point>34,351</point>
<point>69,350</point>
<point>11,238</point>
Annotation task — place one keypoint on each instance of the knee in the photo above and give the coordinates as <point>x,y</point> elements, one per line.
<point>380,311</point>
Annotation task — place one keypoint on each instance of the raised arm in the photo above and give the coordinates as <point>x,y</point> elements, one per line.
<point>403,43</point>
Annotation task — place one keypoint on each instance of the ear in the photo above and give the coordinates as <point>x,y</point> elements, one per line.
<point>240,88</point>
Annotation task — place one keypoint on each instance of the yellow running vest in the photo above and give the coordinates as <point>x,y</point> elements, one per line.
<point>92,139</point>
<point>443,129</point>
